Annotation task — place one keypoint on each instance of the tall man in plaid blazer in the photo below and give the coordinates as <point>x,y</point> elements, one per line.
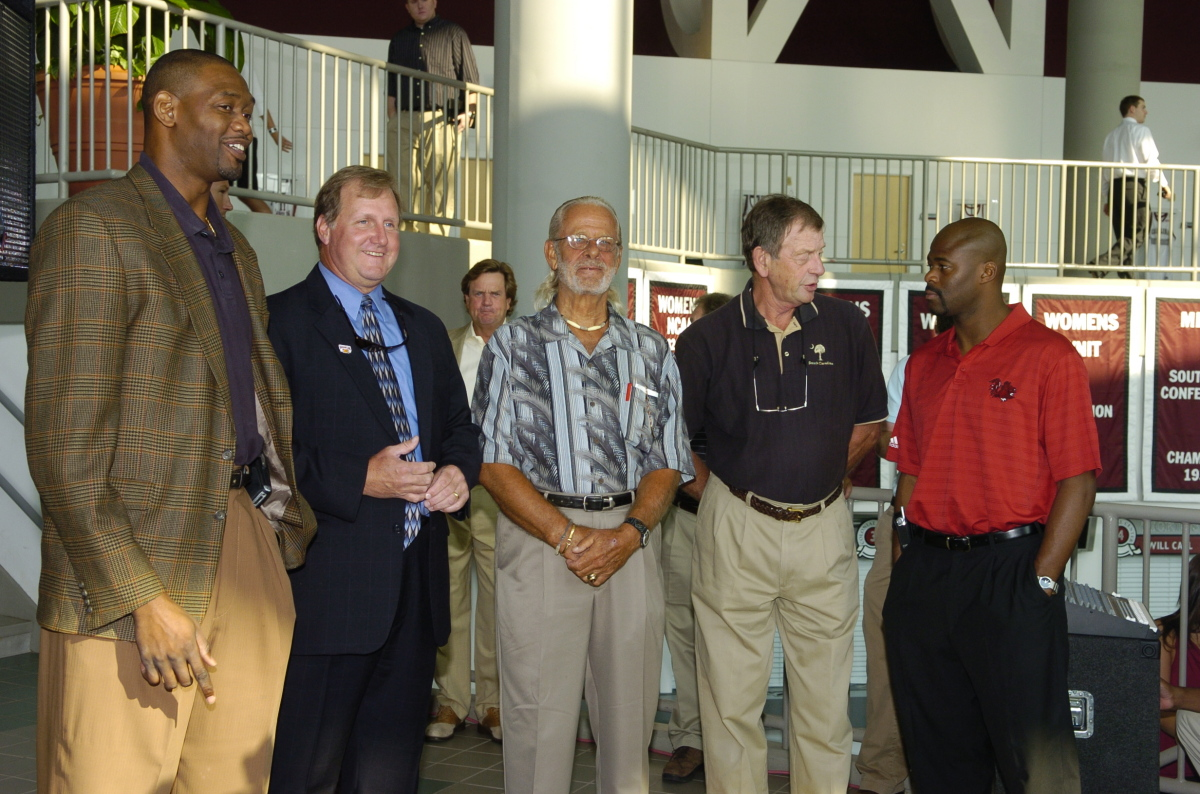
<point>158,428</point>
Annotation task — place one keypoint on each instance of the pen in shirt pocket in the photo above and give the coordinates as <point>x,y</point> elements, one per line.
<point>644,390</point>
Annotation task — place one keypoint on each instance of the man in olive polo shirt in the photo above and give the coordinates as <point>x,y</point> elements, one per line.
<point>787,387</point>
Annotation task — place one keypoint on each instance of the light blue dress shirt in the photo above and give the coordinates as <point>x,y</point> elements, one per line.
<point>389,327</point>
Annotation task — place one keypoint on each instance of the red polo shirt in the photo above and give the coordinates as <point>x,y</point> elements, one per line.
<point>990,434</point>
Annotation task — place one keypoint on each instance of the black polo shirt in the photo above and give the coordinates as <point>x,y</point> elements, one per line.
<point>734,390</point>
<point>214,255</point>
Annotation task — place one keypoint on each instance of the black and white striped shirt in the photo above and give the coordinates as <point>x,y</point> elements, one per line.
<point>578,423</point>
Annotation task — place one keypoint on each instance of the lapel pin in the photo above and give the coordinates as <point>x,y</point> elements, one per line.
<point>344,349</point>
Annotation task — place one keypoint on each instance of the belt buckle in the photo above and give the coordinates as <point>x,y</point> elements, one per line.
<point>958,543</point>
<point>597,502</point>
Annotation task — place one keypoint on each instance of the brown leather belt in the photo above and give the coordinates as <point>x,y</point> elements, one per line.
<point>784,513</point>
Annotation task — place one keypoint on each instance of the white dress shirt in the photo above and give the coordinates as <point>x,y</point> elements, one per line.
<point>468,362</point>
<point>1130,142</point>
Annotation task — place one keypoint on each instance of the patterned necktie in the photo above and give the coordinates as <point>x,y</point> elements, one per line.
<point>381,364</point>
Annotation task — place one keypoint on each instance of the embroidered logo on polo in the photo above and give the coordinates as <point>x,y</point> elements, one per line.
<point>819,349</point>
<point>1002,390</point>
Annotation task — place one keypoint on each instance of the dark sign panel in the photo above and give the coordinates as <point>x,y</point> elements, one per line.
<point>1098,326</point>
<point>1175,446</point>
<point>671,307</point>
<point>921,320</point>
<point>870,302</point>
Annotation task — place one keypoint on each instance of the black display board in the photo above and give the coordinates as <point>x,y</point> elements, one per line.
<point>16,138</point>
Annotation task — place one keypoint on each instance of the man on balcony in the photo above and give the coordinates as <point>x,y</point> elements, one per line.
<point>787,388</point>
<point>1125,188</point>
<point>426,119</point>
<point>997,452</point>
<point>158,429</point>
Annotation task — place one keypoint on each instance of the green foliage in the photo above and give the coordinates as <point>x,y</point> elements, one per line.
<point>135,36</point>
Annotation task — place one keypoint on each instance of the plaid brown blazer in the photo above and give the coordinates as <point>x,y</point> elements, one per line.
<point>128,424</point>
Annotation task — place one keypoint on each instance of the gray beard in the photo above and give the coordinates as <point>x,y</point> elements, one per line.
<point>567,278</point>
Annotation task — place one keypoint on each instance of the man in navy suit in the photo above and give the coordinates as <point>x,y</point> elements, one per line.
<point>384,448</point>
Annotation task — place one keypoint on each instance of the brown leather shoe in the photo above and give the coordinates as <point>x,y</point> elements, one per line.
<point>684,764</point>
<point>444,725</point>
<point>489,726</point>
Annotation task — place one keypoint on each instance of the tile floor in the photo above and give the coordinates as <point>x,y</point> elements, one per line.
<point>466,764</point>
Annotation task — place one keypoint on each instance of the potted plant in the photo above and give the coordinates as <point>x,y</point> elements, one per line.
<point>101,101</point>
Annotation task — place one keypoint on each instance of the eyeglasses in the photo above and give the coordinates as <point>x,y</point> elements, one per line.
<point>782,407</point>
<point>580,242</point>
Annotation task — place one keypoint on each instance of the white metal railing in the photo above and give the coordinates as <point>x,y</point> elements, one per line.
<point>328,104</point>
<point>690,198</point>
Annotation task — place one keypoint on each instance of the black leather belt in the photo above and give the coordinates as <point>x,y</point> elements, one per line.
<point>785,513</point>
<point>940,540</point>
<point>241,476</point>
<point>685,502</point>
<point>592,503</point>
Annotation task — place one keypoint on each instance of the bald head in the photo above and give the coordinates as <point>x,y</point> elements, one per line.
<point>966,268</point>
<point>979,239</point>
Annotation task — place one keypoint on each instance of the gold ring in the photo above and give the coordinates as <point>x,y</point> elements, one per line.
<point>591,577</point>
<point>456,494</point>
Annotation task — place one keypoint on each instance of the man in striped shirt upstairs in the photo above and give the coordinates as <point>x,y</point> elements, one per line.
<point>583,448</point>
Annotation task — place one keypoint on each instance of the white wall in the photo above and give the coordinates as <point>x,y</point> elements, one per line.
<point>842,109</point>
<point>837,109</point>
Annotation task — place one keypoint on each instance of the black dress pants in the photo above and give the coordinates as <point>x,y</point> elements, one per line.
<point>355,723</point>
<point>1128,215</point>
<point>978,658</point>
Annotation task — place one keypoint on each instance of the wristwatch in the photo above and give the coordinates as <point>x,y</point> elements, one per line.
<point>1046,583</point>
<point>642,529</point>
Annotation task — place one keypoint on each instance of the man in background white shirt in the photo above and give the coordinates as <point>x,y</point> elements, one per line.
<point>1125,188</point>
<point>490,294</point>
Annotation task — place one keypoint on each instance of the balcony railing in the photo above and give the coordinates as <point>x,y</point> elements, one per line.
<point>328,104</point>
<point>883,210</point>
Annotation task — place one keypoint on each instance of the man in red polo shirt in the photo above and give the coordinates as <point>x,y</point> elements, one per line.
<point>997,452</point>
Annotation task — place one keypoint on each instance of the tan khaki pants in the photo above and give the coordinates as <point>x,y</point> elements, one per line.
<point>102,729</point>
<point>422,155</point>
<point>678,540</point>
<point>753,574</point>
<point>561,638</point>
<point>471,541</point>
<point>881,760</point>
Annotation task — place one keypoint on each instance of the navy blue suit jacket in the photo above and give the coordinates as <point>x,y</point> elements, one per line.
<point>347,591</point>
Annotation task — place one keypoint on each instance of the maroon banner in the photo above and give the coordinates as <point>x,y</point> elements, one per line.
<point>921,320</point>
<point>1099,329</point>
<point>1175,461</point>
<point>631,304</point>
<point>671,307</point>
<point>870,302</point>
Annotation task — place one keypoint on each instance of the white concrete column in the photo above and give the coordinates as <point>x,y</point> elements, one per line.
<point>1104,64</point>
<point>564,73</point>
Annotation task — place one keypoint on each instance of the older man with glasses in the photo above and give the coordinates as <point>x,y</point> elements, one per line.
<point>787,387</point>
<point>583,448</point>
